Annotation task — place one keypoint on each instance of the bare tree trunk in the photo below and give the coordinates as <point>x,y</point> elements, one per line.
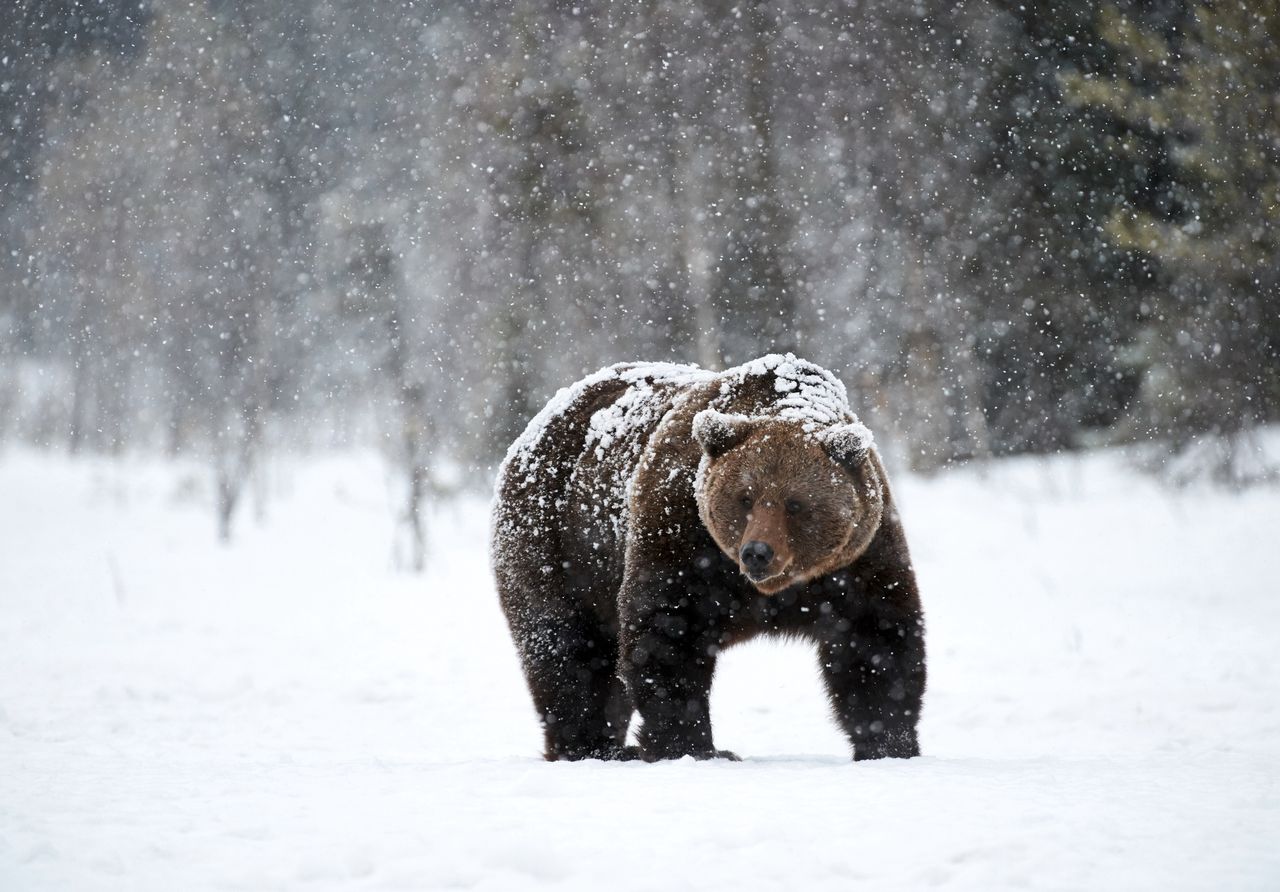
<point>677,302</point>
<point>82,374</point>
<point>410,407</point>
<point>376,276</point>
<point>80,385</point>
<point>234,463</point>
<point>755,292</point>
<point>970,387</point>
<point>710,338</point>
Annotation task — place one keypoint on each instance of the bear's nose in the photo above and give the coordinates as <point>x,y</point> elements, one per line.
<point>756,556</point>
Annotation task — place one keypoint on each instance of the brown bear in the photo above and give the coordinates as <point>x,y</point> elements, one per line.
<point>654,514</point>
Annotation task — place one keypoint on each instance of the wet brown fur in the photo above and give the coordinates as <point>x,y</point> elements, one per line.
<point>612,617</point>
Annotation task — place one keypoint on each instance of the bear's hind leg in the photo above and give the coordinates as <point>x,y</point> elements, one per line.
<point>571,666</point>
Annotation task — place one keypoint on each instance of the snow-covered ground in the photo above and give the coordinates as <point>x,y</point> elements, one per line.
<point>291,713</point>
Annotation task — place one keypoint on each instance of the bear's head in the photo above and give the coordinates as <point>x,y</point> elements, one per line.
<point>787,502</point>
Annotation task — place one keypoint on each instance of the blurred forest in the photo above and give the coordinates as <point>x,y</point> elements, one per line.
<point>237,226</point>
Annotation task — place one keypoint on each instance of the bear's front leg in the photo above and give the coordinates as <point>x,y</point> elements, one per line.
<point>874,672</point>
<point>667,663</point>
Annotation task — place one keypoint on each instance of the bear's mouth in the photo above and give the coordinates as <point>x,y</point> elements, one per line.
<point>769,582</point>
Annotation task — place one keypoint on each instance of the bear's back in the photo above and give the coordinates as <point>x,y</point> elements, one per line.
<point>562,489</point>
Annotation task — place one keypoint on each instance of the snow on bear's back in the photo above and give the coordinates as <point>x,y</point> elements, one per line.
<point>640,406</point>
<point>608,424</point>
<point>803,392</point>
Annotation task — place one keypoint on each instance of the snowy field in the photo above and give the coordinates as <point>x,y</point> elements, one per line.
<point>290,713</point>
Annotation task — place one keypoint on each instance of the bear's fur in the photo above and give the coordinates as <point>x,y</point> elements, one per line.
<point>619,528</point>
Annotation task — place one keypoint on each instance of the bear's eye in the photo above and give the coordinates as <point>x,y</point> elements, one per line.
<point>745,501</point>
<point>794,506</point>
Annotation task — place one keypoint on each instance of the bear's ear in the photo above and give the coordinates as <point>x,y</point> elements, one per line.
<point>848,444</point>
<point>717,432</point>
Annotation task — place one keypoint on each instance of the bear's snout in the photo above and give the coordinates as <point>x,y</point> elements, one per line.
<point>756,557</point>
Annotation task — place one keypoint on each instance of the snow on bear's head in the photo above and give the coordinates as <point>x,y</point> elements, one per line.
<point>787,501</point>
